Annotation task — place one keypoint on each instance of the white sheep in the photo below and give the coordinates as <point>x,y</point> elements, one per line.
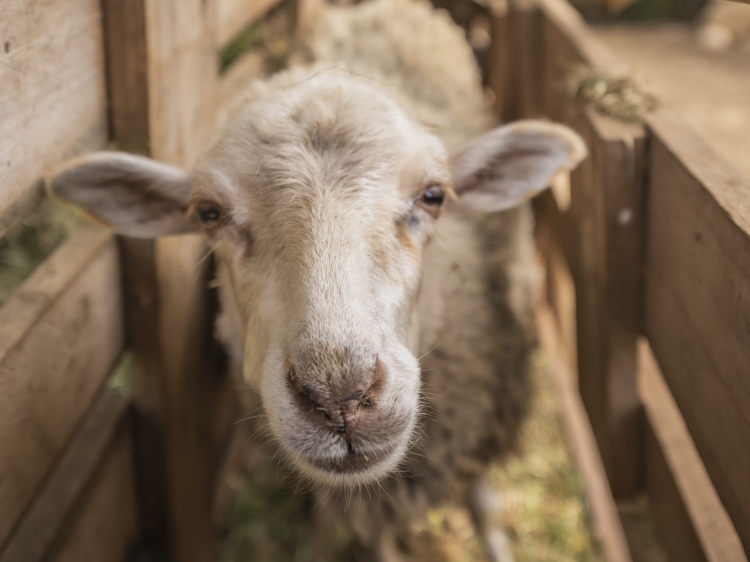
<point>359,314</point>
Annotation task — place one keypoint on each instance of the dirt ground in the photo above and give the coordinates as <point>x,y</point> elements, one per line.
<point>711,90</point>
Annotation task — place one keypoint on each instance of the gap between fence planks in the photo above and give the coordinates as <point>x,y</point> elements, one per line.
<point>52,510</point>
<point>698,300</point>
<point>690,519</point>
<point>606,522</point>
<point>60,334</point>
<point>236,15</point>
<point>53,101</point>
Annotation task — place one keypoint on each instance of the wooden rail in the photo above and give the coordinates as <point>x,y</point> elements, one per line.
<point>76,75</point>
<point>655,231</point>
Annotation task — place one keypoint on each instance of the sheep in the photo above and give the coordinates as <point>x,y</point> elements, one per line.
<point>390,347</point>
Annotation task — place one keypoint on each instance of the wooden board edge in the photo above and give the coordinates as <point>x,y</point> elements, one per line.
<point>49,282</point>
<point>696,502</point>
<point>728,186</point>
<point>37,531</point>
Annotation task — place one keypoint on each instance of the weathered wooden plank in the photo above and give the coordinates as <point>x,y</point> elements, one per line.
<point>97,519</point>
<point>60,334</point>
<point>127,64</point>
<point>53,101</point>
<point>606,522</point>
<point>236,15</point>
<point>607,206</point>
<point>606,248</point>
<point>175,117</point>
<point>691,521</point>
<point>698,300</point>
<point>183,93</point>
<point>104,525</point>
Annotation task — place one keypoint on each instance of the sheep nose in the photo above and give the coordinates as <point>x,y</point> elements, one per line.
<point>339,409</point>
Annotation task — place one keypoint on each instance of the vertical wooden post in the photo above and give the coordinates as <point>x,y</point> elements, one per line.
<point>607,205</point>
<point>603,231</point>
<point>163,72</point>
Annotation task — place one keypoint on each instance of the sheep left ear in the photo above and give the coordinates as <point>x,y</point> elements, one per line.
<point>511,164</point>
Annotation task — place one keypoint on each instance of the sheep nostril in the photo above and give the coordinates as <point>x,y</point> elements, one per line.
<point>339,411</point>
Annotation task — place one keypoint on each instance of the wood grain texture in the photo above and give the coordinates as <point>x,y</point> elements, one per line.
<point>60,334</point>
<point>127,73</point>
<point>96,530</point>
<point>174,73</point>
<point>53,509</point>
<point>604,245</point>
<point>53,102</point>
<point>691,521</point>
<point>698,300</point>
<point>236,15</point>
<point>607,207</point>
<point>606,522</point>
<point>182,70</point>
<point>183,98</point>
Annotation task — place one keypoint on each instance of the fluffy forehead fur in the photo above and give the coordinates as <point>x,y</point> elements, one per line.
<point>318,130</point>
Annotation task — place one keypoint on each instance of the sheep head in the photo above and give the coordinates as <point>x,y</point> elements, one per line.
<point>319,200</point>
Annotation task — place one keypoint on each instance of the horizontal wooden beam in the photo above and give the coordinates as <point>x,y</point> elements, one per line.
<point>52,509</point>
<point>601,231</point>
<point>60,334</point>
<point>698,300</point>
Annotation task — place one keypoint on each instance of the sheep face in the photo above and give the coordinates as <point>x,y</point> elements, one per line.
<point>319,200</point>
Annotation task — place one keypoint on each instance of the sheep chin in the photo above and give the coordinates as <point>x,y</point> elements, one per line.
<point>378,472</point>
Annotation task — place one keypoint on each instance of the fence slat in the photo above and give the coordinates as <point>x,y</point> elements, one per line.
<point>698,300</point>
<point>692,523</point>
<point>53,102</point>
<point>60,334</point>
<point>603,241</point>
<point>53,509</point>
<point>174,109</point>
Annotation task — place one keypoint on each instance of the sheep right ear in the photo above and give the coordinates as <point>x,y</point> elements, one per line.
<point>512,163</point>
<point>136,195</point>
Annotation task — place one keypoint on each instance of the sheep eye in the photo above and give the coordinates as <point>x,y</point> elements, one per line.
<point>434,195</point>
<point>208,213</point>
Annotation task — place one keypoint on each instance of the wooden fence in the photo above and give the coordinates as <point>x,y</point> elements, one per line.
<point>647,248</point>
<point>86,472</point>
<point>648,253</point>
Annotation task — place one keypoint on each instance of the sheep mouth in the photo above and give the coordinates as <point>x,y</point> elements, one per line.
<point>353,462</point>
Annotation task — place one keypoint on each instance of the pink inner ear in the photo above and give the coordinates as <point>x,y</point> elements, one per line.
<point>511,164</point>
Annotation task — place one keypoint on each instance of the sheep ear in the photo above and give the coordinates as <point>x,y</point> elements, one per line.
<point>512,163</point>
<point>135,195</point>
